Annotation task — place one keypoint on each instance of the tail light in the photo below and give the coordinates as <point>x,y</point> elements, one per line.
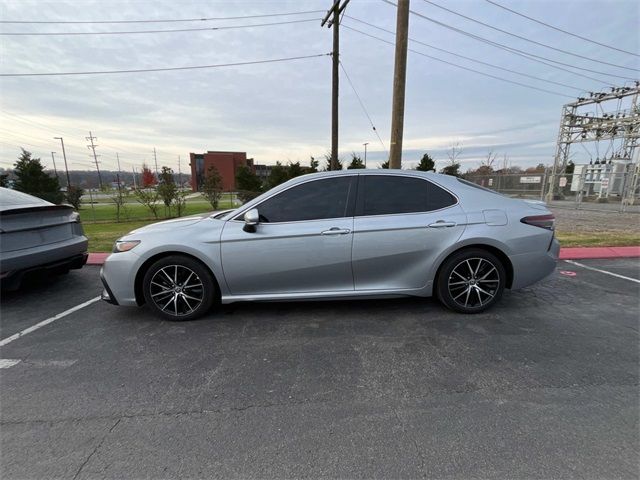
<point>542,221</point>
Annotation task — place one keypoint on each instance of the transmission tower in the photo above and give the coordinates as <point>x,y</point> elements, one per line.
<point>93,146</point>
<point>606,125</point>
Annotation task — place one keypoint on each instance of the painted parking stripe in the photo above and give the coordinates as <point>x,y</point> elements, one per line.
<point>46,322</point>
<point>8,362</point>
<point>602,271</point>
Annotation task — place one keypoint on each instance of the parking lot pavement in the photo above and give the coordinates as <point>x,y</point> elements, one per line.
<point>543,385</point>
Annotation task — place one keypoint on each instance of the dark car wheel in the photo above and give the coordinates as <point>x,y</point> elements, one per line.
<point>471,281</point>
<point>179,288</point>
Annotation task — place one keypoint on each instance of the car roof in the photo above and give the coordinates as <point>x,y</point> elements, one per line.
<point>12,199</point>
<point>439,178</point>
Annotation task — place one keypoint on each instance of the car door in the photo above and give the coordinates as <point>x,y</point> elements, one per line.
<point>401,225</point>
<point>301,244</point>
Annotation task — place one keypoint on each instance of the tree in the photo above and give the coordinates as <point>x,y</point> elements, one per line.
<point>313,165</point>
<point>247,183</point>
<point>32,179</point>
<point>279,174</point>
<point>426,164</point>
<point>452,169</point>
<point>212,187</point>
<point>356,162</point>
<point>119,199</point>
<point>327,157</point>
<point>149,198</point>
<point>148,178</point>
<point>295,170</point>
<point>4,180</point>
<point>74,196</point>
<point>167,187</point>
<point>384,164</point>
<point>454,166</point>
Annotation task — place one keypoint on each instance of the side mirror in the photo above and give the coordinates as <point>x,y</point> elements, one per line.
<point>251,219</point>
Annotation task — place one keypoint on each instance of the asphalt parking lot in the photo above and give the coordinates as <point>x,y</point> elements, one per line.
<point>544,385</point>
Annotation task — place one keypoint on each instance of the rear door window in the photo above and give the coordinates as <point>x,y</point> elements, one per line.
<point>391,194</point>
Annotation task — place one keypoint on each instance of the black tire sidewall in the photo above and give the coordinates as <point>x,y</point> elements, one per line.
<point>209,286</point>
<point>450,263</point>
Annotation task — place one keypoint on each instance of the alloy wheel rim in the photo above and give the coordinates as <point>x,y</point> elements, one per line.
<point>176,290</point>
<point>474,282</point>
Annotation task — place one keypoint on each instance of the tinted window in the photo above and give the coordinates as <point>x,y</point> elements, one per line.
<point>310,201</point>
<point>384,195</point>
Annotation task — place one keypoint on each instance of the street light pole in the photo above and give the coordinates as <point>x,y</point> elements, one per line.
<point>55,170</point>
<point>64,154</point>
<point>365,154</point>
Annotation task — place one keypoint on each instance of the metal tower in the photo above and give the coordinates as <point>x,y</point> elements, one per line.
<point>612,118</point>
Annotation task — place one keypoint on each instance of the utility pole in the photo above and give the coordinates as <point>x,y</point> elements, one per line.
<point>64,154</point>
<point>133,168</point>
<point>399,80</point>
<point>119,170</point>
<point>179,173</point>
<point>91,138</point>
<point>335,10</point>
<point>365,154</point>
<point>155,159</point>
<point>55,170</point>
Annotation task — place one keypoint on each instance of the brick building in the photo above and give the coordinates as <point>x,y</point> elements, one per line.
<point>227,164</point>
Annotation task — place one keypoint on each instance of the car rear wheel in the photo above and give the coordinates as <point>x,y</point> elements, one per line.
<point>179,288</point>
<point>471,281</point>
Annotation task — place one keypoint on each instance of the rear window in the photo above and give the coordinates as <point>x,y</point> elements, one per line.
<point>388,195</point>
<point>479,187</point>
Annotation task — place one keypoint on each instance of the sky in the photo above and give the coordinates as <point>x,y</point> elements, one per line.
<point>281,111</point>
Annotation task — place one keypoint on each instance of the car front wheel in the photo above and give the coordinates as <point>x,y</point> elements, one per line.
<point>179,288</point>
<point>471,281</point>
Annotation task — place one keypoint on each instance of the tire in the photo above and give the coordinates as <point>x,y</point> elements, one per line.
<point>471,281</point>
<point>188,298</point>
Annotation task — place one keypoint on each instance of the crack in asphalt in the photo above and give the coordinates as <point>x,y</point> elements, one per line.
<point>96,448</point>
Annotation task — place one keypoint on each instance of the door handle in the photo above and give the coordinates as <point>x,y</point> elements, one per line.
<point>442,224</point>
<point>336,231</point>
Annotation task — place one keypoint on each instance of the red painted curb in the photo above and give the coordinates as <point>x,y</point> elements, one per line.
<point>577,253</point>
<point>97,258</point>
<point>567,253</point>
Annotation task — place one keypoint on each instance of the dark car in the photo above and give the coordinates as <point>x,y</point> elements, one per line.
<point>37,236</point>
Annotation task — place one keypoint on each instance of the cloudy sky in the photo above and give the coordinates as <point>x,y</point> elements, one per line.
<point>281,110</point>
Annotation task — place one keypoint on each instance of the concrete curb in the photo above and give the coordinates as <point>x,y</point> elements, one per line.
<point>568,253</point>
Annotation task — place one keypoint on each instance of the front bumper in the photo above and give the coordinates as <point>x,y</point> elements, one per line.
<point>107,294</point>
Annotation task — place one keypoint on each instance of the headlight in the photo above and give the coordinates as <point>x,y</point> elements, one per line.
<point>124,245</point>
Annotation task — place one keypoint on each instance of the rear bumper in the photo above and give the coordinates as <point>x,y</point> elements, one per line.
<point>42,256</point>
<point>12,279</point>
<point>529,268</point>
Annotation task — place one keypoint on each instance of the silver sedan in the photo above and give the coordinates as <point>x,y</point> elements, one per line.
<point>339,235</point>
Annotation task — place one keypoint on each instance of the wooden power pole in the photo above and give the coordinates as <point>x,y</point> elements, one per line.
<point>335,10</point>
<point>399,80</point>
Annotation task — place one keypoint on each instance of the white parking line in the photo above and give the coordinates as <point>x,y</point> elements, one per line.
<point>43,323</point>
<point>8,362</point>
<point>572,262</point>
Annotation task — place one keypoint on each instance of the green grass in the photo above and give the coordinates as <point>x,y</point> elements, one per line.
<point>102,235</point>
<point>600,239</point>
<point>106,212</point>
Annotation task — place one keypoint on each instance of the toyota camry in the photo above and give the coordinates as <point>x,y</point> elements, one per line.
<point>339,235</point>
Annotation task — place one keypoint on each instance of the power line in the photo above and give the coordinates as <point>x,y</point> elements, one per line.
<point>172,20</point>
<point>560,29</point>
<point>128,32</point>
<point>507,48</point>
<point>472,59</point>
<point>551,47</point>
<point>364,109</point>
<point>463,67</point>
<point>166,69</point>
